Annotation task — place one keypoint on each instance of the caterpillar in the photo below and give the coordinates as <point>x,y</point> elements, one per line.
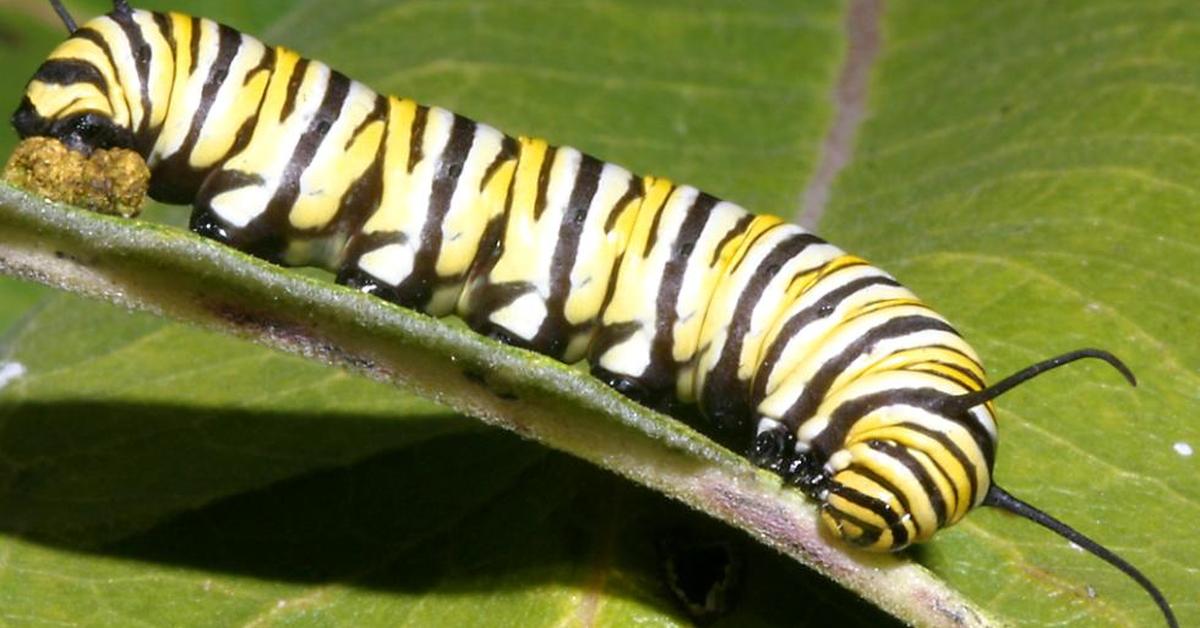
<point>826,369</point>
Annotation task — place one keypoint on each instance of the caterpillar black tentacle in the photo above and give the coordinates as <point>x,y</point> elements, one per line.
<point>825,368</point>
<point>64,15</point>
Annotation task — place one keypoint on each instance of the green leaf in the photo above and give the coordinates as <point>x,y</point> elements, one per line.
<point>980,180</point>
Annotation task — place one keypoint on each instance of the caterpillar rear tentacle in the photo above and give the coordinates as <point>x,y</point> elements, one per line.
<point>828,371</point>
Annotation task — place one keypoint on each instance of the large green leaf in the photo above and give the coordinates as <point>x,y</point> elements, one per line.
<point>1022,169</point>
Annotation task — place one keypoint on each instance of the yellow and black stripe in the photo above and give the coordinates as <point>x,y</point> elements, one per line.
<point>834,374</point>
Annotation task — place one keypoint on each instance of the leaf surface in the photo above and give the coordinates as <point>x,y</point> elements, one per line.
<point>978,181</point>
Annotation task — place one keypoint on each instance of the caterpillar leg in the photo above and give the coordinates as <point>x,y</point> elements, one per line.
<point>515,313</point>
<point>259,235</point>
<point>204,221</point>
<point>381,264</point>
<point>773,447</point>
<point>638,389</point>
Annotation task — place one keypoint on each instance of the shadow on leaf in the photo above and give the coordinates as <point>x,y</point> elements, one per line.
<point>426,510</point>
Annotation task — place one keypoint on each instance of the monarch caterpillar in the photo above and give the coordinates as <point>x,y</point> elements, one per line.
<point>834,374</point>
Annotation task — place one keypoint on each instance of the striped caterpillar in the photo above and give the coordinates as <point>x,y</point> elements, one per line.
<point>829,371</point>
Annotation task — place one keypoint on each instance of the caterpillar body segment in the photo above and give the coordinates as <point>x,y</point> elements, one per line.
<point>832,373</point>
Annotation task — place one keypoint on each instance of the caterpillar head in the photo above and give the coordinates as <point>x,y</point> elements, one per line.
<point>901,458</point>
<point>84,131</point>
<point>884,494</point>
<point>896,479</point>
<point>76,96</point>
<point>904,471</point>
